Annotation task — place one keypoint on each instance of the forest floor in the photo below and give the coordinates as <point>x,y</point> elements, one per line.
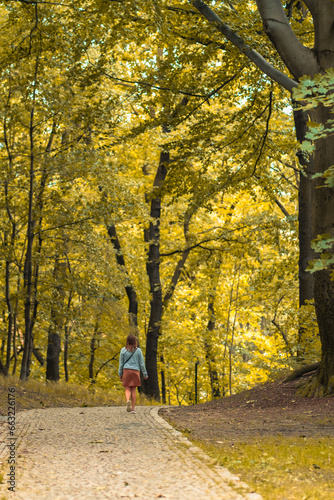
<point>266,410</point>
<point>282,445</point>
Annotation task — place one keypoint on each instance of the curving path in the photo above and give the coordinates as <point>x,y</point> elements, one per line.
<point>106,453</point>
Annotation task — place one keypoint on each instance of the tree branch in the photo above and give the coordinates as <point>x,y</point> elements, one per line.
<point>132,83</point>
<point>265,135</point>
<point>211,94</point>
<point>312,6</point>
<point>299,59</point>
<point>269,70</point>
<point>283,209</point>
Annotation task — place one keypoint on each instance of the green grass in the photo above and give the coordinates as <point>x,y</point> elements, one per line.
<point>281,468</point>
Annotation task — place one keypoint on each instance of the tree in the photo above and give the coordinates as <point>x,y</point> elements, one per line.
<point>135,126</point>
<point>301,60</point>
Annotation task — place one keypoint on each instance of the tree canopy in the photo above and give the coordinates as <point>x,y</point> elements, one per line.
<point>152,180</point>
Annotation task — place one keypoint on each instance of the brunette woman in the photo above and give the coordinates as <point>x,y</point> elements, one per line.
<point>131,363</point>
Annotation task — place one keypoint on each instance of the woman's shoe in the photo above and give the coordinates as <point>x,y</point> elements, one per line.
<point>128,406</point>
<point>133,411</point>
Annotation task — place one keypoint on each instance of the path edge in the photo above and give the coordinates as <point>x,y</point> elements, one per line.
<point>224,474</point>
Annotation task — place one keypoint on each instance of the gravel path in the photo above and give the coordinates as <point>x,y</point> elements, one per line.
<point>106,453</point>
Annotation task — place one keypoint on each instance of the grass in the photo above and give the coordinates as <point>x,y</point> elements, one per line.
<point>34,393</point>
<point>281,468</point>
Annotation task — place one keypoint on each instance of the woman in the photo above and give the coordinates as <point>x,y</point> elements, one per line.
<point>131,362</point>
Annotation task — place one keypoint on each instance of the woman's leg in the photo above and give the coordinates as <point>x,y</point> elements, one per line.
<point>133,396</point>
<point>127,393</point>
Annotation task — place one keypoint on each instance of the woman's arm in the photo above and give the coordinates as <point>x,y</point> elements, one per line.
<point>120,366</point>
<point>142,364</point>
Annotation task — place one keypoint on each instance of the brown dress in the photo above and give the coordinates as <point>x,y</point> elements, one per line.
<point>131,378</point>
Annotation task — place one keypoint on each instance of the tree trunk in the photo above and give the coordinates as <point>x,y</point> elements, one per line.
<point>10,318</point>
<point>93,348</point>
<point>163,381</point>
<point>130,291</point>
<point>152,236</point>
<point>28,263</point>
<point>28,285</point>
<point>56,325</point>
<point>324,285</point>
<point>67,330</point>
<point>66,341</point>
<point>305,202</point>
<point>209,355</point>
<point>2,369</point>
<point>305,232</point>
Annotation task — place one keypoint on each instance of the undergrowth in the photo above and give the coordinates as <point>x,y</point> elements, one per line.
<point>281,468</point>
<point>34,393</point>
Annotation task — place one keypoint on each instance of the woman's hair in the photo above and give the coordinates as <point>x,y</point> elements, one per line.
<point>131,342</point>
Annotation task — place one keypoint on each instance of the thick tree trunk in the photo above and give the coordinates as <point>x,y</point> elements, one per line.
<point>56,326</point>
<point>305,230</point>
<point>52,357</point>
<point>151,386</point>
<point>305,202</point>
<point>324,286</point>
<point>2,369</point>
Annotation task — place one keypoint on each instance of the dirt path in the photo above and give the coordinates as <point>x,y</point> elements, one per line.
<point>106,453</point>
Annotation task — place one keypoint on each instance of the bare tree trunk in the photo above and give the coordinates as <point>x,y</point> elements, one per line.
<point>93,348</point>
<point>163,381</point>
<point>57,322</point>
<point>130,291</point>
<point>2,369</point>
<point>324,284</point>
<point>152,237</point>
<point>237,270</point>
<point>9,318</point>
<point>28,264</point>
<point>67,330</point>
<point>209,354</point>
<point>226,337</point>
<point>305,231</point>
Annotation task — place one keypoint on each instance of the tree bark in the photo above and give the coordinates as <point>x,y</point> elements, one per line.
<point>324,285</point>
<point>299,60</point>
<point>56,325</point>
<point>209,355</point>
<point>236,40</point>
<point>305,228</point>
<point>93,348</point>
<point>152,236</point>
<point>130,291</point>
<point>28,263</point>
